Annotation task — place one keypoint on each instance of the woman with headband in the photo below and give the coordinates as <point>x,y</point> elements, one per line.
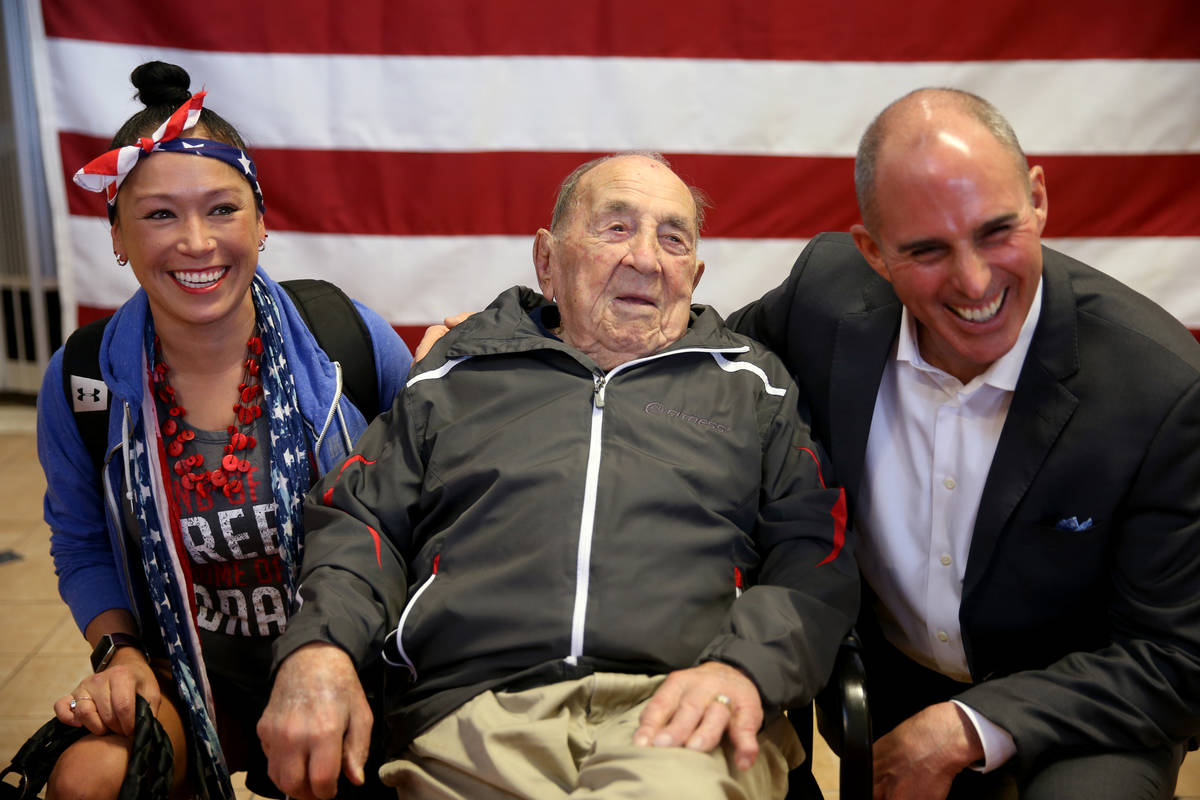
<point>179,560</point>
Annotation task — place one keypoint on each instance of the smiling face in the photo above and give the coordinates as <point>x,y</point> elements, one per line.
<point>190,228</point>
<point>623,266</point>
<point>958,235</point>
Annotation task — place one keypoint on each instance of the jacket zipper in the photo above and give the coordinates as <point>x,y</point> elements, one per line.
<point>587,520</point>
<point>405,659</point>
<point>587,517</point>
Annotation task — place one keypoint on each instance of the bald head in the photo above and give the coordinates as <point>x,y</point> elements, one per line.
<point>568,192</point>
<point>920,118</point>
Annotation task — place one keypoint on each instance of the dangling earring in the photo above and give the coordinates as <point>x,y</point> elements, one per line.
<point>122,260</point>
<point>262,243</point>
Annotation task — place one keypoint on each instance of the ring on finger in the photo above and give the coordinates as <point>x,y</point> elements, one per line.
<point>75,701</point>
<point>723,699</point>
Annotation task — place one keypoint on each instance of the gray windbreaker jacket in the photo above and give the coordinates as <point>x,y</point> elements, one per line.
<point>520,517</point>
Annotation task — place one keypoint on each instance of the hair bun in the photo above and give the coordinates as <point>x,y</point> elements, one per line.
<point>159,83</point>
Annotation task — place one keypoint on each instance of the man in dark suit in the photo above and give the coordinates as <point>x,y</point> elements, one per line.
<point>1019,439</point>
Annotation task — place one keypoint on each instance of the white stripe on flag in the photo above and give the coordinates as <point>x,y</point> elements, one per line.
<point>600,104</point>
<point>1160,267</point>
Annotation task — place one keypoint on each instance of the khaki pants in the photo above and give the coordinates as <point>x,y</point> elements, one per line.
<point>575,739</point>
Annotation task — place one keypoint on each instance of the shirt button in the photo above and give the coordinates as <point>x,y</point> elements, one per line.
<point>943,636</point>
<point>949,483</point>
<point>946,560</point>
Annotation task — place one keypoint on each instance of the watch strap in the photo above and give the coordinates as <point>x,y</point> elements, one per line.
<point>108,645</point>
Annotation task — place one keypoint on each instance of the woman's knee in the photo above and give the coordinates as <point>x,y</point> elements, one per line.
<point>91,769</point>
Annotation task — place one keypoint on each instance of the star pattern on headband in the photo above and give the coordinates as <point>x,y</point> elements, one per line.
<point>106,172</point>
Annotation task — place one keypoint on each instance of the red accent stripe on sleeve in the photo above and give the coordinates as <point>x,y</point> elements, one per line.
<point>378,546</point>
<point>327,499</point>
<point>816,461</point>
<point>838,512</point>
<point>328,496</point>
<point>839,528</point>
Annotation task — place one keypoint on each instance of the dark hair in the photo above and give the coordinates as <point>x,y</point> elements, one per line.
<point>163,88</point>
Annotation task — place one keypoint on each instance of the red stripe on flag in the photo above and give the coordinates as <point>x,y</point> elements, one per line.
<point>1122,195</point>
<point>847,30</point>
<point>511,194</point>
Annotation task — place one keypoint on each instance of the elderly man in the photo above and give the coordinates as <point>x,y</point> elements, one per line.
<point>1019,439</point>
<point>595,531</point>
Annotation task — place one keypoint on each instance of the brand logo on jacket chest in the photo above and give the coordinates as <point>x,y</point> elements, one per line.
<point>656,409</point>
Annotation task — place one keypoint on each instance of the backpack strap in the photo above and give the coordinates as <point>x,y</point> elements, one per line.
<point>342,334</point>
<point>87,394</point>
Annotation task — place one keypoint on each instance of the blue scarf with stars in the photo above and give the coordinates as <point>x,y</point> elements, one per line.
<point>161,546</point>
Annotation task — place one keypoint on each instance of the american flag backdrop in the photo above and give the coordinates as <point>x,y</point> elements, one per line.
<point>408,150</point>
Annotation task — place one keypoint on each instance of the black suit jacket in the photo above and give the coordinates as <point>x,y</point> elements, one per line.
<point>1076,640</point>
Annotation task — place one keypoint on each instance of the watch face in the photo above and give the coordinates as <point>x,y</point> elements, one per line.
<point>103,653</point>
<point>107,647</point>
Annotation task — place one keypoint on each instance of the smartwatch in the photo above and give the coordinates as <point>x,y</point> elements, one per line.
<point>108,645</point>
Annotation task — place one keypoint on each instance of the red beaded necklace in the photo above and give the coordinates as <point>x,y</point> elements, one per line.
<point>190,469</point>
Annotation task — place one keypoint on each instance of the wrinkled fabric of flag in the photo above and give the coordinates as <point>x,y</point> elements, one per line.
<point>415,148</point>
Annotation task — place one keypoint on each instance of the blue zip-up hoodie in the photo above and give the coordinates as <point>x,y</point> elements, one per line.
<point>83,511</point>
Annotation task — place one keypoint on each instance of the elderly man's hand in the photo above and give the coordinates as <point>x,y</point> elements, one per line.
<point>921,756</point>
<point>689,710</point>
<point>317,723</point>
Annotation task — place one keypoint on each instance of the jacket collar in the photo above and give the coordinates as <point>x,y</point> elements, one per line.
<point>122,350</point>
<point>506,327</point>
<point>861,346</point>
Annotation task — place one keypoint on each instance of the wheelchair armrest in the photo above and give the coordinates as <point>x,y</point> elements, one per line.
<point>844,720</point>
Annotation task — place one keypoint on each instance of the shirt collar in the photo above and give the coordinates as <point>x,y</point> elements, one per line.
<point>1003,372</point>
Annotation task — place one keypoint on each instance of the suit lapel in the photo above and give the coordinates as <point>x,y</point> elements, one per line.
<point>1040,408</point>
<point>860,349</point>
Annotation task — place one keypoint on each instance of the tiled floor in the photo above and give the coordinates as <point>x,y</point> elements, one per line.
<point>42,654</point>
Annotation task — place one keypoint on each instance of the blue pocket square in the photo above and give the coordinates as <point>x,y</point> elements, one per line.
<point>1073,524</point>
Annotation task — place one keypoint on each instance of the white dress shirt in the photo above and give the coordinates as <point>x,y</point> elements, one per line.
<point>928,454</point>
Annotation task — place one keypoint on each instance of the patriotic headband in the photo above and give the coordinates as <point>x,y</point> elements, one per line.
<point>107,172</point>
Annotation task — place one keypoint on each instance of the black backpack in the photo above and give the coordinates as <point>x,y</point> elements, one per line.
<point>325,308</point>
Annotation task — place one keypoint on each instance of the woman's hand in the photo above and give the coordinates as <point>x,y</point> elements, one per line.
<point>106,702</point>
